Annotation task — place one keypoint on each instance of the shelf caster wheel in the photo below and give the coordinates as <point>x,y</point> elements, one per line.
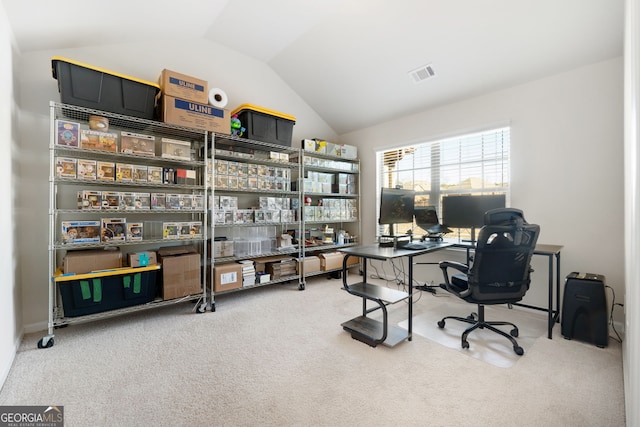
<point>519,350</point>
<point>46,342</point>
<point>465,344</point>
<point>301,286</point>
<point>213,307</point>
<point>441,324</point>
<point>514,333</point>
<point>202,308</point>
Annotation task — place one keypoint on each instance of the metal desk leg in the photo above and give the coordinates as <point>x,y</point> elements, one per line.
<point>410,319</point>
<point>550,309</point>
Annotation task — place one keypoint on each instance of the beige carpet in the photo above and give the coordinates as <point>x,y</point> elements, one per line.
<point>277,356</point>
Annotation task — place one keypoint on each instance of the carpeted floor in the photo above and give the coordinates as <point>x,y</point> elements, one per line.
<point>277,356</point>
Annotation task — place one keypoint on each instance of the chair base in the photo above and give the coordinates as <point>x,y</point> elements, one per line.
<point>481,323</point>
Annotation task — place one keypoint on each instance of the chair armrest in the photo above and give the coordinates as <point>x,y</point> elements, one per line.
<point>463,268</point>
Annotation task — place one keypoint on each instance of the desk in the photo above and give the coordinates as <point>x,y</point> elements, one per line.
<point>550,251</point>
<point>371,331</point>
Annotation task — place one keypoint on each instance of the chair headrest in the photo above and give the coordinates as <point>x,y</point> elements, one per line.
<point>503,216</point>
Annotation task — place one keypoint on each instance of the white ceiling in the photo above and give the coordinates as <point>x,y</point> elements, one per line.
<point>349,59</point>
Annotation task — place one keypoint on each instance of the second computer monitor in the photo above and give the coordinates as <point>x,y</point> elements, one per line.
<point>467,211</point>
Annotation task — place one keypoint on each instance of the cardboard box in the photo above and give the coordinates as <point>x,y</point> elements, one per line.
<point>227,276</point>
<point>309,264</point>
<point>194,115</point>
<point>183,86</point>
<point>331,260</point>
<point>142,259</point>
<point>180,272</point>
<point>80,262</point>
<point>261,263</point>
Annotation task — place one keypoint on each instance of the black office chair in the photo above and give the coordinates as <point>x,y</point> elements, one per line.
<point>500,272</point>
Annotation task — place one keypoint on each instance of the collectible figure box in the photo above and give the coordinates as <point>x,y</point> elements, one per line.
<point>134,232</point>
<point>106,171</point>
<point>137,143</point>
<point>100,89</point>
<point>158,201</point>
<point>174,201</point>
<point>89,199</point>
<point>194,115</point>
<point>127,201</point>
<point>186,176</point>
<point>66,167</point>
<point>67,133</point>
<point>142,201</point>
<point>140,173</point>
<point>154,174</point>
<point>114,229</point>
<point>176,149</point>
<point>87,169</point>
<point>80,231</point>
<point>111,200</point>
<point>171,230</point>
<point>124,172</point>
<point>168,176</point>
<point>97,140</point>
<point>184,86</point>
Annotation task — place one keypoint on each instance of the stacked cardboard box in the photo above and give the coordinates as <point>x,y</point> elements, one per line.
<point>184,102</point>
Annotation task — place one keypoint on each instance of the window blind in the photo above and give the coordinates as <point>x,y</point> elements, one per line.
<point>474,163</point>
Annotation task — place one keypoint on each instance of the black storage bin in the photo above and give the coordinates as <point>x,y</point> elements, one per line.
<point>584,309</point>
<point>265,125</point>
<point>92,293</point>
<point>99,89</point>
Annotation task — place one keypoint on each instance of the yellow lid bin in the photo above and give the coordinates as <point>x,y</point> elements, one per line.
<point>100,89</point>
<point>265,125</point>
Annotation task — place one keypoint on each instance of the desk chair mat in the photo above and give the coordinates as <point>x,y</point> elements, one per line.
<point>484,344</point>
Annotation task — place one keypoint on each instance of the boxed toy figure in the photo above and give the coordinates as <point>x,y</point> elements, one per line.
<point>128,201</point>
<point>111,200</point>
<point>154,174</point>
<point>97,140</point>
<point>142,201</point>
<point>106,171</point>
<point>89,200</point>
<point>170,230</point>
<point>137,143</point>
<point>176,149</point>
<point>124,172</point>
<point>158,201</point>
<point>134,231</point>
<point>174,201</point>
<point>114,229</point>
<point>66,167</point>
<point>86,169</point>
<point>67,133</point>
<point>80,231</point>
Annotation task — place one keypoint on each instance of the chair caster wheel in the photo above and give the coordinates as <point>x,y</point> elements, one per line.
<point>514,333</point>
<point>519,351</point>
<point>441,324</point>
<point>465,344</point>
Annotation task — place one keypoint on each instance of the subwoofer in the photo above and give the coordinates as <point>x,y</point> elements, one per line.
<point>584,309</point>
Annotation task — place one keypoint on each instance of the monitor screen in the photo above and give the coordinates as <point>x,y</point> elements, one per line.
<point>467,211</point>
<point>426,216</point>
<point>396,206</point>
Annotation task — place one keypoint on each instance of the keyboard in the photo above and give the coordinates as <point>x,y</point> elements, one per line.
<point>418,246</point>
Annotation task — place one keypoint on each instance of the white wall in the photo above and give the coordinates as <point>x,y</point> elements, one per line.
<point>567,163</point>
<point>243,79</point>
<point>10,321</point>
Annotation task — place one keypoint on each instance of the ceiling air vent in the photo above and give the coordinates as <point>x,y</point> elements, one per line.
<point>423,73</point>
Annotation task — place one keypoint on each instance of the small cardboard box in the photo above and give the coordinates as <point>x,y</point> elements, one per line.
<point>309,264</point>
<point>227,276</point>
<point>84,261</point>
<point>194,115</point>
<point>331,260</point>
<point>261,263</point>
<point>142,259</point>
<point>180,271</point>
<point>184,86</point>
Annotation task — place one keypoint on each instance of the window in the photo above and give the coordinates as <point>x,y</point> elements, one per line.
<point>476,163</point>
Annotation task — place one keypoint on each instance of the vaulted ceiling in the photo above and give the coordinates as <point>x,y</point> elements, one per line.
<point>352,60</point>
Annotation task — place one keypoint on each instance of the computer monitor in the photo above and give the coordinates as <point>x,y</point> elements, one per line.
<point>467,211</point>
<point>396,207</point>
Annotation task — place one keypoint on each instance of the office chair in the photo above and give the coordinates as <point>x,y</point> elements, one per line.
<point>499,274</point>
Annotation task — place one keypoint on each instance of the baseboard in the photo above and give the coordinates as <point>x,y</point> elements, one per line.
<point>36,327</point>
<point>4,373</point>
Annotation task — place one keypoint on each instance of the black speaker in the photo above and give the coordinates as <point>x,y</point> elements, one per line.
<point>584,309</point>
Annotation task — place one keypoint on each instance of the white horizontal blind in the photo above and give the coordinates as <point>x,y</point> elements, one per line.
<point>476,163</point>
